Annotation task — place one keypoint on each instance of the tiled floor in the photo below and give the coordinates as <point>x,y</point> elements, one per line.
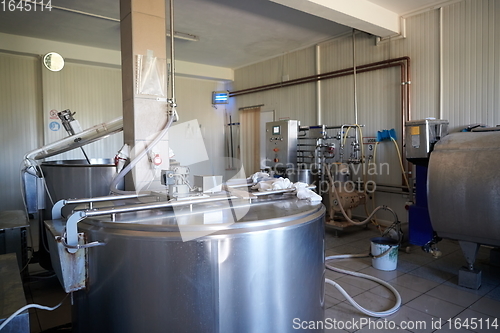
<point>428,287</point>
<point>43,288</point>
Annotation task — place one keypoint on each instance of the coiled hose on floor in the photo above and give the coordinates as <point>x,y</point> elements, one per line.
<point>385,313</point>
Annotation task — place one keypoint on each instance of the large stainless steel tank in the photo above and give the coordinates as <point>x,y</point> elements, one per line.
<point>464,187</point>
<point>255,275</point>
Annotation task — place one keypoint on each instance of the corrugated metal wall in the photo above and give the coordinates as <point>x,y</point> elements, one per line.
<point>471,78</point>
<point>20,111</point>
<point>296,102</point>
<point>94,93</point>
<point>471,35</point>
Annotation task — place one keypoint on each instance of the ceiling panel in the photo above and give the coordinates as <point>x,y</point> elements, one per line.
<point>232,33</point>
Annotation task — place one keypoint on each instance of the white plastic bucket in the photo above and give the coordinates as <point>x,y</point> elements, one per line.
<point>389,261</point>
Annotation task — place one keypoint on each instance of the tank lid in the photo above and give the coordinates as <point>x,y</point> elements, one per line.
<point>216,215</point>
<point>79,163</point>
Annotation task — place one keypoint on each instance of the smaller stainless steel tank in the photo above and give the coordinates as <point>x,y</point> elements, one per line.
<point>308,176</point>
<point>77,179</point>
<point>464,187</point>
<point>67,179</point>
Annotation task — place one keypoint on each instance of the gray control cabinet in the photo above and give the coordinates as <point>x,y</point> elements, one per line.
<point>281,144</point>
<point>421,135</point>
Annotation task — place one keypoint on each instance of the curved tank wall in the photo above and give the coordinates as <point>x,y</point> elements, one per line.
<point>255,275</point>
<point>464,187</point>
<point>73,179</point>
<point>77,179</point>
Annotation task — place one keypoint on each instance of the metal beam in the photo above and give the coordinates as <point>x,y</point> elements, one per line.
<point>359,14</point>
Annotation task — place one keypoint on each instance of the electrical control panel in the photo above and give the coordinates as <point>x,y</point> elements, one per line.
<point>421,135</point>
<point>281,144</point>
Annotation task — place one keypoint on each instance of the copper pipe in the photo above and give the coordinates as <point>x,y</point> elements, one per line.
<point>311,78</point>
<point>316,77</point>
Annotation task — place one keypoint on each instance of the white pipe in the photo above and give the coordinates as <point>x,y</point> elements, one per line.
<point>368,219</point>
<point>26,307</point>
<point>121,175</point>
<point>318,86</point>
<point>440,116</point>
<point>354,75</point>
<point>78,216</point>
<point>80,139</point>
<point>385,313</point>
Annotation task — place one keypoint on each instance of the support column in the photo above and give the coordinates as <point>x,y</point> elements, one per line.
<point>144,92</point>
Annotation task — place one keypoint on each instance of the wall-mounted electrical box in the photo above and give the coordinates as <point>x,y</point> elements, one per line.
<point>421,135</point>
<point>281,144</point>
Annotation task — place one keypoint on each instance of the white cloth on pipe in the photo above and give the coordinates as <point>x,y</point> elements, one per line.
<point>282,184</point>
<point>263,186</point>
<point>299,185</point>
<point>273,184</point>
<point>260,176</point>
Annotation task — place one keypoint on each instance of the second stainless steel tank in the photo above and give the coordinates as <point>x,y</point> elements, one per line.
<point>77,179</point>
<point>256,275</point>
<point>464,187</point>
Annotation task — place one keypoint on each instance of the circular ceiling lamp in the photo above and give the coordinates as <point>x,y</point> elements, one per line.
<point>53,61</point>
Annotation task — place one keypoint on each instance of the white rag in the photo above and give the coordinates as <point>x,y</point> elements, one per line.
<point>282,184</point>
<point>273,184</point>
<point>259,176</point>
<point>307,194</point>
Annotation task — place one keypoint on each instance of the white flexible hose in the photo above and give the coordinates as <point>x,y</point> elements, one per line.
<point>385,313</point>
<point>365,221</point>
<point>121,175</point>
<point>28,307</point>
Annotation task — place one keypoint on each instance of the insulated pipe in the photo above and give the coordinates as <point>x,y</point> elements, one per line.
<point>440,116</point>
<point>355,76</point>
<point>318,85</point>
<point>172,55</point>
<point>78,140</point>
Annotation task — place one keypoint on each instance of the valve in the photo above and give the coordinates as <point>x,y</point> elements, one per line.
<point>157,160</point>
<point>121,157</point>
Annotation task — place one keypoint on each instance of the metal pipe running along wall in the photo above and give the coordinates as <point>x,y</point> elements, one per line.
<point>403,62</point>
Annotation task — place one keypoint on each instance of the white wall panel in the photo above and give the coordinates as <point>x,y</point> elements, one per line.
<point>194,102</point>
<point>94,93</point>
<point>471,62</point>
<point>19,110</point>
